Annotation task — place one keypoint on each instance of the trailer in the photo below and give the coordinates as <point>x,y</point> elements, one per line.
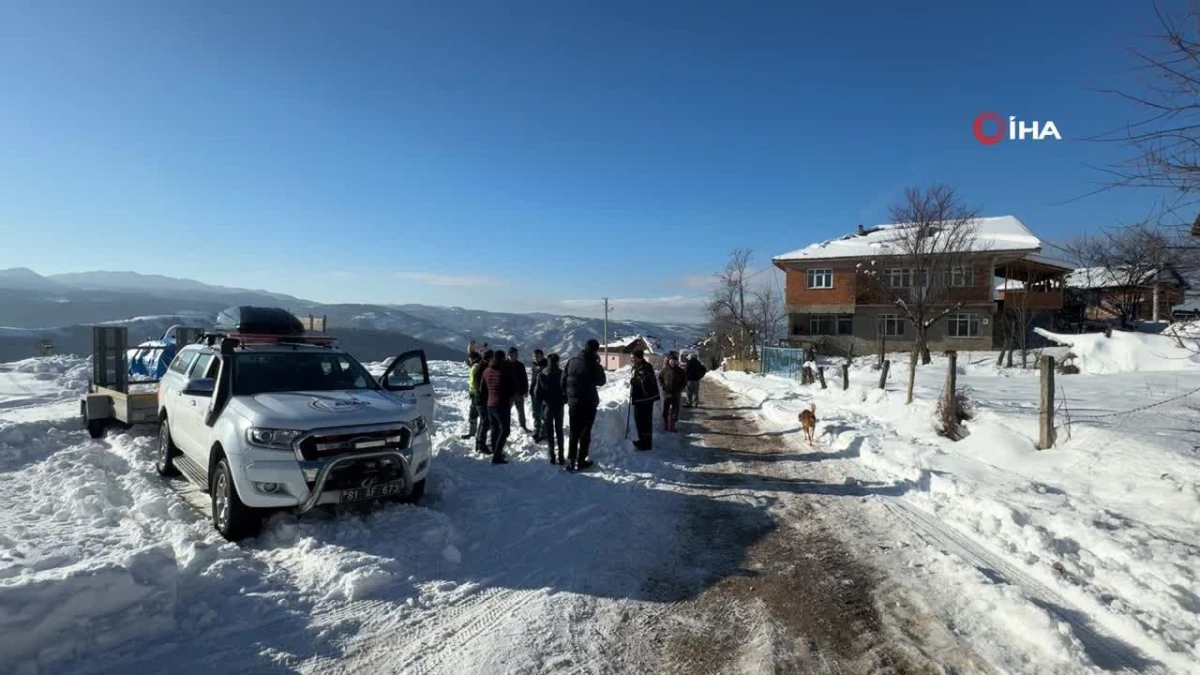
<point>113,397</point>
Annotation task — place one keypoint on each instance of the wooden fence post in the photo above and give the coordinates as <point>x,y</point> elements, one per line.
<point>952,377</point>
<point>1046,414</point>
<point>887,363</point>
<point>821,376</point>
<point>845,376</point>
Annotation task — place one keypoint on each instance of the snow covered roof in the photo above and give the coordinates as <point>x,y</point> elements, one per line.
<point>1000,233</point>
<point>1104,277</point>
<point>652,345</point>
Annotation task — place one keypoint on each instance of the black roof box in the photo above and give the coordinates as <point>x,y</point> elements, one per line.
<point>259,321</point>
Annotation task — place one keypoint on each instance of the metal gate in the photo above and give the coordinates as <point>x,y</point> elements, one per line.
<point>785,361</point>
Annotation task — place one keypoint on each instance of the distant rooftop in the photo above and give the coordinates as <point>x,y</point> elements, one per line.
<point>1000,233</point>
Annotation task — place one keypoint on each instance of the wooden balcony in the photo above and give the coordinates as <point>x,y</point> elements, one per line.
<point>1016,299</point>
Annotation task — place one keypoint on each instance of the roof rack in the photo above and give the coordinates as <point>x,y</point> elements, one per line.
<point>230,341</point>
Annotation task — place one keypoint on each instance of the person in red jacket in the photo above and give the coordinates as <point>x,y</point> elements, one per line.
<point>497,387</point>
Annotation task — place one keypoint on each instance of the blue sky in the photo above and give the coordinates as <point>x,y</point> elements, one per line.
<point>532,155</point>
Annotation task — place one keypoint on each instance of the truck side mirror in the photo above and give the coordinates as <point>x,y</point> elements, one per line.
<point>200,387</point>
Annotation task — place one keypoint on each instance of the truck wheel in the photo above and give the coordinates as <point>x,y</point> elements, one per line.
<point>233,519</point>
<point>167,450</point>
<point>96,428</point>
<point>417,492</point>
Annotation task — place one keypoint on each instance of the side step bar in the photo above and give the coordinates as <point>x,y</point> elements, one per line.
<point>194,472</point>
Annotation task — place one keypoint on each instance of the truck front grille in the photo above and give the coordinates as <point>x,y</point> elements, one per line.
<point>363,472</point>
<point>322,446</point>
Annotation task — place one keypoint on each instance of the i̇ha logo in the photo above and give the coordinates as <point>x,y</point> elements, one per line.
<point>1015,130</point>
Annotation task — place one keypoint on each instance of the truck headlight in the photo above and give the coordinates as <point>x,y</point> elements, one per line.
<point>276,439</point>
<point>419,426</point>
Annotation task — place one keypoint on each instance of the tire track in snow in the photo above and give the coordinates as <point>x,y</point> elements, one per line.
<point>1105,650</point>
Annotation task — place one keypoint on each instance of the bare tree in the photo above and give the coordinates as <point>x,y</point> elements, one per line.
<point>1121,268</point>
<point>766,312</point>
<point>1165,142</point>
<point>740,314</point>
<point>1016,320</point>
<point>931,247</point>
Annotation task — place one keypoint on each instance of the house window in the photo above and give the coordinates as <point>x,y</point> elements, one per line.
<point>963,325</point>
<point>830,324</point>
<point>820,278</point>
<point>898,278</point>
<point>960,276</point>
<point>891,325</point>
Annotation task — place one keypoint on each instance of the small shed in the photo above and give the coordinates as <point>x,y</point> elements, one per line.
<point>620,352</point>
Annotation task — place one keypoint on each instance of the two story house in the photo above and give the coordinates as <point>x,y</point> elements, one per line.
<point>842,294</point>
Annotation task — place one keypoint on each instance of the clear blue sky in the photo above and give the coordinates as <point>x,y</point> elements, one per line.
<point>517,155</point>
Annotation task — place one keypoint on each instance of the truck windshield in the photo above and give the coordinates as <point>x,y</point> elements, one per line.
<point>263,372</point>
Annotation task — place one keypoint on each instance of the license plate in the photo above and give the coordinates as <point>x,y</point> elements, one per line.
<point>373,492</point>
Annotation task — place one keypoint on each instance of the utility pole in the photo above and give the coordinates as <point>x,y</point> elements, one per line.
<point>606,333</point>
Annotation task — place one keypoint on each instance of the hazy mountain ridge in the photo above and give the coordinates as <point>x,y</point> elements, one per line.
<point>64,304</point>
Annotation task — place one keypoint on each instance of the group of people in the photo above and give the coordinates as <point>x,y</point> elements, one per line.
<point>499,382</point>
<point>673,383</point>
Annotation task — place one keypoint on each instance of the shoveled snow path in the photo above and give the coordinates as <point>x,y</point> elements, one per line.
<point>1088,622</point>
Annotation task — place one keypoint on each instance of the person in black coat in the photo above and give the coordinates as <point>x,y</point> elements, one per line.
<point>581,377</point>
<point>643,392</point>
<point>539,363</point>
<point>548,392</point>
<point>673,380</point>
<point>520,382</point>
<point>695,372</point>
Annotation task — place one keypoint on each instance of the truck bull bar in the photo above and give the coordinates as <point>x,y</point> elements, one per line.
<point>323,475</point>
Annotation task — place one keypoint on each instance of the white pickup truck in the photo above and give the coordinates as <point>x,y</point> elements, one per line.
<point>268,422</point>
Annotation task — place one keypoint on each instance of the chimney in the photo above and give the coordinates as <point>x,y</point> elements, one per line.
<point>861,230</point>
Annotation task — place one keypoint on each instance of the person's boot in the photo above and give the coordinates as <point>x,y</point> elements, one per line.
<point>561,460</point>
<point>553,459</point>
<point>585,464</point>
<point>499,459</point>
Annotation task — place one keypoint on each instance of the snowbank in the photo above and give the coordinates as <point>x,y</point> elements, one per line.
<point>1107,519</point>
<point>1126,352</point>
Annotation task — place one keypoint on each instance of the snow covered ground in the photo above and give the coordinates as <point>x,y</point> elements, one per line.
<point>1077,559</point>
<point>1097,538</point>
<point>106,567</point>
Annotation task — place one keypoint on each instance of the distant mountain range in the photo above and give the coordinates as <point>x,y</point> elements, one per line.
<point>62,305</point>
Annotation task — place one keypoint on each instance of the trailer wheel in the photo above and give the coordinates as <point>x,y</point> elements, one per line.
<point>167,450</point>
<point>96,428</point>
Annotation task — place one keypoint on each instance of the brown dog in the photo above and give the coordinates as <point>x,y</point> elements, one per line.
<point>808,421</point>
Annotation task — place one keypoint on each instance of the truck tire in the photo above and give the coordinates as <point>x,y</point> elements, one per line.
<point>418,491</point>
<point>167,451</point>
<point>232,519</point>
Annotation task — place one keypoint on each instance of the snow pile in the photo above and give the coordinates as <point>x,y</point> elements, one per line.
<point>65,374</point>
<point>1107,519</point>
<point>1125,352</point>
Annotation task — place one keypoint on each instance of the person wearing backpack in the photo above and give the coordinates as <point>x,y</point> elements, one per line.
<point>695,372</point>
